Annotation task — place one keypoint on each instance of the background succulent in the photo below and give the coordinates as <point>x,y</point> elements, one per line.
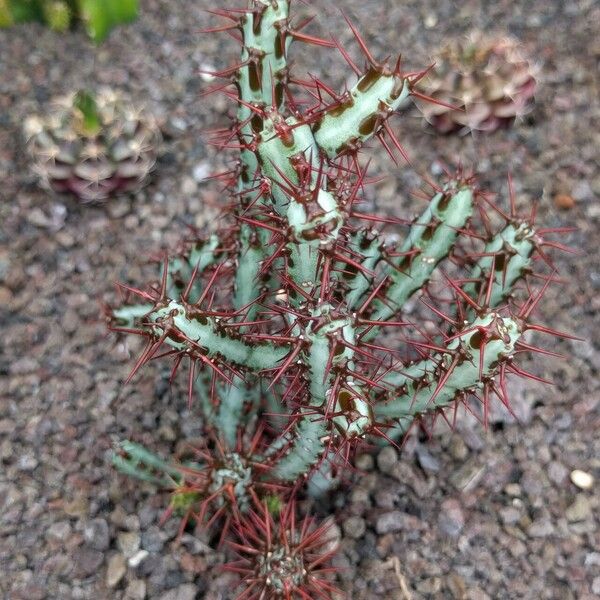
<point>93,145</point>
<point>481,83</point>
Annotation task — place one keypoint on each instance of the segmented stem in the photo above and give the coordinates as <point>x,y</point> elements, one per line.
<point>472,358</point>
<point>429,241</point>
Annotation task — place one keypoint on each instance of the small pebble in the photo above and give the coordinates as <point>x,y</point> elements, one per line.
<point>592,559</point>
<point>427,460</point>
<point>201,171</point>
<point>458,449</point>
<point>364,462</point>
<point>510,515</point>
<point>96,534</point>
<point>387,459</point>
<point>467,478</point>
<point>88,562</point>
<point>136,590</point>
<point>430,21</point>
<point>187,591</point>
<point>359,495</point>
<point>137,558</point>
<point>540,529</point>
<point>451,519</point>
<point>582,479</point>
<point>116,569</point>
<point>129,543</point>
<point>188,186</point>
<point>564,201</point>
<point>118,208</point>
<point>27,462</point>
<point>513,489</point>
<point>5,295</point>
<point>557,472</point>
<point>354,527</point>
<point>580,510</point>
<point>59,531</point>
<point>396,521</point>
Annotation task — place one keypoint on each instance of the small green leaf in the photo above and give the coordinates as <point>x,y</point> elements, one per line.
<point>58,15</point>
<point>6,18</point>
<point>100,16</point>
<point>22,11</point>
<point>86,104</point>
<point>274,504</point>
<point>181,502</point>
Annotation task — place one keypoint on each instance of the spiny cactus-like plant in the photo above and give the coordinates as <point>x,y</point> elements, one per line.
<point>305,329</point>
<point>93,145</point>
<point>282,558</point>
<point>99,16</point>
<point>482,82</point>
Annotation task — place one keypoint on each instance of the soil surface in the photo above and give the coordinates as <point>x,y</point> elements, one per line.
<point>469,514</point>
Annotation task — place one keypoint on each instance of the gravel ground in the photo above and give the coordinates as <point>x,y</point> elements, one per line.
<point>468,515</point>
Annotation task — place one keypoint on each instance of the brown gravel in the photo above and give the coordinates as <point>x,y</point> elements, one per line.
<point>470,515</point>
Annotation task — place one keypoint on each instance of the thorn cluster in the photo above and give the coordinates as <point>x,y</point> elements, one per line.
<point>280,557</point>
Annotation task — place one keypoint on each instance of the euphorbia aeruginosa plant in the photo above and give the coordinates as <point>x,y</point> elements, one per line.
<point>306,330</point>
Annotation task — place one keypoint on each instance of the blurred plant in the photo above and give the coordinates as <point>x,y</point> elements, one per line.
<point>482,83</point>
<point>93,146</point>
<point>99,16</point>
<point>306,329</point>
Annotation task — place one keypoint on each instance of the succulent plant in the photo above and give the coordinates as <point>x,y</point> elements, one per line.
<point>93,145</point>
<point>99,16</point>
<point>280,558</point>
<point>480,82</point>
<point>305,328</point>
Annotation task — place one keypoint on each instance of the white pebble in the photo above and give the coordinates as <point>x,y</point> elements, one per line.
<point>137,558</point>
<point>582,479</point>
